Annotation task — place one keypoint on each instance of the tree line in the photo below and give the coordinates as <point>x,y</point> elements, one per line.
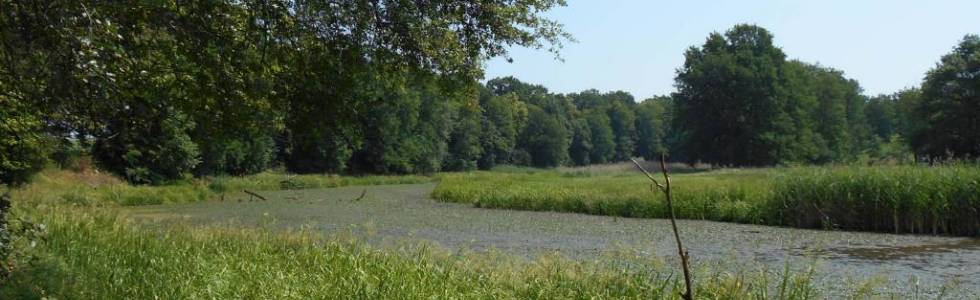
<point>156,91</point>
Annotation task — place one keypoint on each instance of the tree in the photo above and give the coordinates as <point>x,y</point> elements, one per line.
<point>907,121</point>
<point>23,144</point>
<point>881,114</point>
<point>581,147</point>
<point>603,140</point>
<point>545,139</point>
<point>651,127</point>
<point>951,105</point>
<point>464,142</point>
<point>405,127</point>
<point>623,123</point>
<point>151,145</point>
<point>727,101</point>
<point>234,75</point>
<point>503,117</point>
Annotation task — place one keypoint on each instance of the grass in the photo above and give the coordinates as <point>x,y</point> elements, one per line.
<point>930,200</point>
<point>731,195</point>
<point>902,199</point>
<point>62,249</point>
<point>89,188</point>
<point>279,181</point>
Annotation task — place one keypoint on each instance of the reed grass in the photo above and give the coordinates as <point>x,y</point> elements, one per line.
<point>899,199</point>
<point>282,181</point>
<point>942,199</point>
<point>731,195</point>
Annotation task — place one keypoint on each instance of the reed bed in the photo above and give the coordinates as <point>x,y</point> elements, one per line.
<point>282,181</point>
<point>943,199</point>
<point>732,195</point>
<point>905,199</point>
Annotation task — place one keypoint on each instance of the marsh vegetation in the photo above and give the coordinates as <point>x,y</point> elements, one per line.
<point>255,148</point>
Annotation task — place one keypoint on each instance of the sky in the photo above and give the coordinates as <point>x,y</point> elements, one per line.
<point>637,45</point>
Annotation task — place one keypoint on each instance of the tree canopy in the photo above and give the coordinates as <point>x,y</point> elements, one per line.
<point>950,105</point>
<point>161,90</point>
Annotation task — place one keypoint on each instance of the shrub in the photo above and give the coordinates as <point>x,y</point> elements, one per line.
<point>23,145</point>
<point>151,150</point>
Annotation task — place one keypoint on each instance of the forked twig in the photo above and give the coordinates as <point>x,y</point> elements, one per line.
<point>665,188</point>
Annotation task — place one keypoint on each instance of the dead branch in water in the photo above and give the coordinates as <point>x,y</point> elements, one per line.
<point>256,195</point>
<point>665,188</point>
<point>363,192</point>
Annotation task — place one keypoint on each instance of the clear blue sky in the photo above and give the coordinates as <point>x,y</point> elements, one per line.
<point>636,45</point>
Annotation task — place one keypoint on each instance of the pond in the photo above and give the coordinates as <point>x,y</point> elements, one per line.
<point>393,214</point>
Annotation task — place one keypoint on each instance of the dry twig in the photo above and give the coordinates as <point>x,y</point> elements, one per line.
<point>665,188</point>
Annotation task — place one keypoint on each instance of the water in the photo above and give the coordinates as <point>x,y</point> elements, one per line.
<point>844,261</point>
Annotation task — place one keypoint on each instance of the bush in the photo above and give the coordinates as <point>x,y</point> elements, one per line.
<point>150,150</point>
<point>23,145</point>
<point>236,156</point>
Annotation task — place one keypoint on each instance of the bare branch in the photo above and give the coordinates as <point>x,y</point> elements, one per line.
<point>685,258</point>
<point>654,180</point>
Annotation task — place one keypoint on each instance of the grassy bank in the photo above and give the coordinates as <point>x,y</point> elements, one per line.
<point>278,181</point>
<point>906,199</point>
<point>732,195</point>
<point>70,251</point>
<point>91,188</point>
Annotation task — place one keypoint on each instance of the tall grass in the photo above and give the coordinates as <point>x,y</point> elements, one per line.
<point>93,188</point>
<point>96,189</point>
<point>901,199</point>
<point>907,199</point>
<point>734,195</point>
<point>281,181</point>
<point>93,252</point>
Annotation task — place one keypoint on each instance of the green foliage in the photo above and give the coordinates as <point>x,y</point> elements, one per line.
<point>545,139</point>
<point>464,141</point>
<point>405,129</point>
<point>91,255</point>
<point>651,127</point>
<point>737,195</point>
<point>151,145</point>
<point>99,253</point>
<point>836,119</point>
<point>271,181</point>
<point>581,146</point>
<point>934,200</point>
<point>246,72</point>
<point>623,123</point>
<point>503,117</point>
<point>603,140</point>
<point>950,102</point>
<point>718,84</point>
<point>906,199</point>
<point>23,145</point>
<point>767,110</point>
<point>236,156</point>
